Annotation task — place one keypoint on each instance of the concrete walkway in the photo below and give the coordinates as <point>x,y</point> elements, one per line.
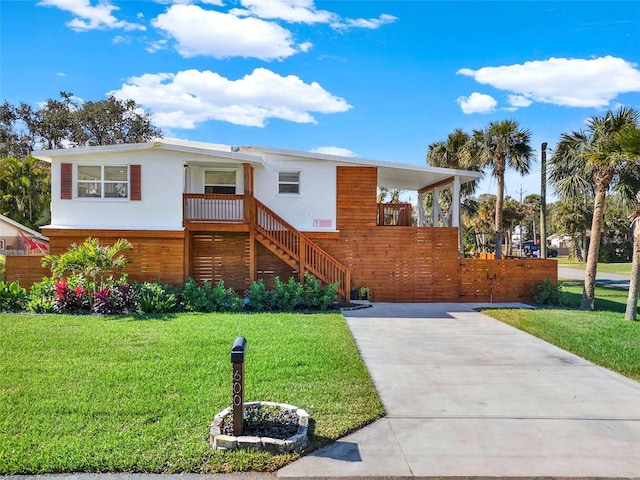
<point>468,396</point>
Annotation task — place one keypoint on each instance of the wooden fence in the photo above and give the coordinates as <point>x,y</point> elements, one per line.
<point>508,280</point>
<point>25,269</point>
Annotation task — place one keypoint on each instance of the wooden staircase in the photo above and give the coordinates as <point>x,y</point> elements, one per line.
<point>297,250</point>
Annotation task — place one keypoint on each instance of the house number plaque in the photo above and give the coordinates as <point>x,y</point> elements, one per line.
<point>237,389</point>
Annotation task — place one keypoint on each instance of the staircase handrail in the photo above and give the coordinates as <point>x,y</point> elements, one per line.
<point>311,256</point>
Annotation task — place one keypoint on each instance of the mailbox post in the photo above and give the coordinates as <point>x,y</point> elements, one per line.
<point>237,359</point>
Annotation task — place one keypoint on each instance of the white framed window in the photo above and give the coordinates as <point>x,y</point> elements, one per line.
<point>220,181</point>
<point>2,244</point>
<point>289,182</point>
<point>102,181</point>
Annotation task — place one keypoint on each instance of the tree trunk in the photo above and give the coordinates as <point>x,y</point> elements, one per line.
<point>498,222</point>
<point>588,293</point>
<point>632,300</point>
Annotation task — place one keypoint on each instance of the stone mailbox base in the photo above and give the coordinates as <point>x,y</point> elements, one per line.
<point>294,443</point>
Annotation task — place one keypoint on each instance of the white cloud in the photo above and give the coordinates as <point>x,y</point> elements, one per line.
<point>477,103</point>
<point>294,11</point>
<point>220,35</point>
<point>519,101</point>
<point>342,152</point>
<point>61,74</point>
<point>371,23</point>
<point>156,46</point>
<point>119,39</point>
<point>90,17</point>
<point>561,81</point>
<point>217,3</point>
<point>190,97</point>
<point>305,11</point>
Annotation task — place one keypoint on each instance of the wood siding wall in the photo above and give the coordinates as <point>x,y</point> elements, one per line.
<point>507,280</point>
<point>400,264</point>
<point>156,255</point>
<point>221,256</point>
<point>356,202</point>
<point>270,267</point>
<point>25,269</point>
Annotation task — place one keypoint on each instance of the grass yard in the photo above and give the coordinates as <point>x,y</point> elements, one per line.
<point>602,336</point>
<point>96,394</point>
<point>624,268</point>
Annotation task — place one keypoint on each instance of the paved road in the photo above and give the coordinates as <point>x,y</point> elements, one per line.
<point>603,278</point>
<point>468,396</point>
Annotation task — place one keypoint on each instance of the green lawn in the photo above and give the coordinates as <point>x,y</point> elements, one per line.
<point>94,394</point>
<point>601,336</point>
<point>602,267</point>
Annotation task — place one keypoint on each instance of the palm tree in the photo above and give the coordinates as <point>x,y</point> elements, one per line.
<point>571,216</point>
<point>630,140</point>
<point>454,153</point>
<point>594,157</point>
<point>634,283</point>
<point>500,145</point>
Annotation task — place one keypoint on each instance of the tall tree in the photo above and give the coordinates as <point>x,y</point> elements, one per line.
<point>630,141</point>
<point>634,283</point>
<point>594,156</point>
<point>13,141</point>
<point>454,153</point>
<point>50,125</point>
<point>571,216</point>
<point>500,145</point>
<point>112,121</point>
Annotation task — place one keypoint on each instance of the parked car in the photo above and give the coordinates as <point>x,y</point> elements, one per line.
<point>530,249</point>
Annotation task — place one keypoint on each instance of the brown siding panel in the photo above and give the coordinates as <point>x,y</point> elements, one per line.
<point>136,182</point>
<point>25,269</point>
<point>157,255</point>
<point>356,202</point>
<point>270,267</point>
<point>221,256</point>
<point>66,181</point>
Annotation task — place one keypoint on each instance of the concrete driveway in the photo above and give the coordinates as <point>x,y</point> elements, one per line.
<point>468,396</point>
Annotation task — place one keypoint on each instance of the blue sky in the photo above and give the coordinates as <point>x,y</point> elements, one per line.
<point>374,79</point>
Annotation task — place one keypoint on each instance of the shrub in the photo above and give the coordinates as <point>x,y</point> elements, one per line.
<point>260,299</point>
<point>288,296</point>
<point>314,296</point>
<point>548,293</point>
<point>12,297</point>
<point>3,268</point>
<point>197,298</point>
<point>154,298</point>
<point>42,296</point>
<point>207,298</point>
<point>114,299</point>
<point>71,296</point>
<point>364,293</point>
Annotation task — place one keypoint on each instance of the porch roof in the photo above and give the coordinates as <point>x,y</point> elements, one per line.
<point>403,176</point>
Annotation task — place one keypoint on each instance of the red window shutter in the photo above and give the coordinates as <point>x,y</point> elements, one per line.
<point>66,181</point>
<point>135,182</point>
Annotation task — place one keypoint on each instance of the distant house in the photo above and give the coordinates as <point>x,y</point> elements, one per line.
<point>216,212</point>
<point>16,239</point>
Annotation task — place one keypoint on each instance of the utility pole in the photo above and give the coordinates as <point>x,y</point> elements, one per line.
<point>543,201</point>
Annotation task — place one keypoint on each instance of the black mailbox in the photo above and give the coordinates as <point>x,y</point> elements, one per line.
<point>238,349</point>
